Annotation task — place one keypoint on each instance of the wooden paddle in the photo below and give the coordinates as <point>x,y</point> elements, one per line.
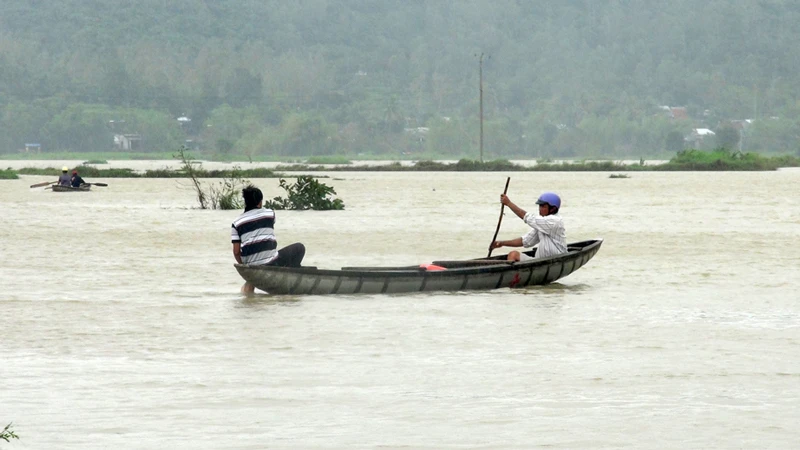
<point>498,220</point>
<point>44,183</point>
<point>96,184</point>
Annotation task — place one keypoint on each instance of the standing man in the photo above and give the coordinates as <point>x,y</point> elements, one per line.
<point>547,229</point>
<point>253,237</point>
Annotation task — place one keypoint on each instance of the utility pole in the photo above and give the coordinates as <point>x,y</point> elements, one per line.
<point>755,101</point>
<point>480,87</point>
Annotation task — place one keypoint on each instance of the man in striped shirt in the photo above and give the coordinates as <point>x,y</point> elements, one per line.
<point>253,237</point>
<point>547,229</point>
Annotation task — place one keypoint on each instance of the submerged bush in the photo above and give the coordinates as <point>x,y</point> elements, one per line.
<point>224,195</point>
<point>723,159</point>
<point>227,193</point>
<point>90,171</point>
<point>306,193</point>
<point>469,165</point>
<point>331,159</point>
<point>8,174</point>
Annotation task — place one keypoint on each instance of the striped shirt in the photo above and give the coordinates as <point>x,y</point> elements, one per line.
<point>255,230</point>
<point>548,232</point>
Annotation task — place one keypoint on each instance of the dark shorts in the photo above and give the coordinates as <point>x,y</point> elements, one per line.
<point>290,256</point>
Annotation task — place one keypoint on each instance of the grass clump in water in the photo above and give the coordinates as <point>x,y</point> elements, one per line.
<point>328,159</point>
<point>7,434</point>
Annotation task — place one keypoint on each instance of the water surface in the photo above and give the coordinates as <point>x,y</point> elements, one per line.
<point>123,326</point>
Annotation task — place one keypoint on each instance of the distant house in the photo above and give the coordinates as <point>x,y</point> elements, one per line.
<point>679,112</point>
<point>128,142</point>
<point>192,144</point>
<point>697,136</point>
<point>741,124</point>
<point>675,112</point>
<point>33,148</point>
<point>418,131</point>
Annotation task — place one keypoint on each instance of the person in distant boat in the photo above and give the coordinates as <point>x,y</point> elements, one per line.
<point>76,180</point>
<point>64,179</point>
<point>547,229</point>
<point>253,237</point>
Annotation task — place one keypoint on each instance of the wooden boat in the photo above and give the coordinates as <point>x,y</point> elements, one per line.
<point>471,274</point>
<point>82,188</point>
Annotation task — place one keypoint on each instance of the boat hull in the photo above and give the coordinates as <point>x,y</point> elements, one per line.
<point>482,274</point>
<point>59,188</point>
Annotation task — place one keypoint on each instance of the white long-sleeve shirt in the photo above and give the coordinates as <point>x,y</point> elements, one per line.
<point>548,232</point>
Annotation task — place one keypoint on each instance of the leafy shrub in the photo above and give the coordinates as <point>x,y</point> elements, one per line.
<point>306,193</point>
<point>87,171</point>
<point>37,171</point>
<point>723,159</point>
<point>164,173</point>
<point>8,174</point>
<point>585,166</point>
<point>429,165</point>
<point>787,161</point>
<point>468,165</point>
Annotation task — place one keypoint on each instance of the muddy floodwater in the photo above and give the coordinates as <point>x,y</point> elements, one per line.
<point>123,326</point>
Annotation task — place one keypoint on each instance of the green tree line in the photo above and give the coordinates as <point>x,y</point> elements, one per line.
<point>326,77</point>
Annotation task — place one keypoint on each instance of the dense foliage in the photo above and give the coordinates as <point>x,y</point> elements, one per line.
<point>724,159</point>
<point>304,194</point>
<point>272,78</point>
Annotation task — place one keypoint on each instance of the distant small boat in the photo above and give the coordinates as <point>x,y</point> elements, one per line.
<point>82,188</point>
<point>461,275</point>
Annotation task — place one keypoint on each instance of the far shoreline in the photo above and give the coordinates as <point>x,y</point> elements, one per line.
<point>720,160</point>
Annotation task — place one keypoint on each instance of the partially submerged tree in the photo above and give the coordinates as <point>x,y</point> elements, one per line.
<point>224,195</point>
<point>306,193</point>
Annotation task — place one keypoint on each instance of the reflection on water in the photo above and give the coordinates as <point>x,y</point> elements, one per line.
<point>261,300</point>
<point>123,320</point>
<point>558,288</point>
